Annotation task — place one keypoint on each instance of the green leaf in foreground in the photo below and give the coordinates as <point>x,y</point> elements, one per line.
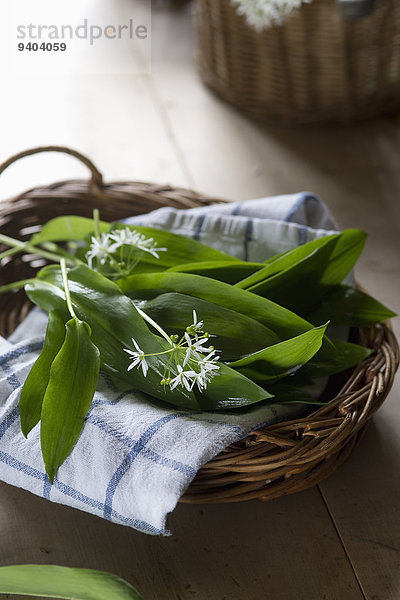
<point>351,307</point>
<point>283,359</point>
<point>33,391</point>
<point>69,393</point>
<point>52,581</point>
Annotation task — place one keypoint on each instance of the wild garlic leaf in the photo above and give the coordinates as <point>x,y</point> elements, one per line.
<point>300,278</point>
<point>290,394</point>
<point>351,307</point>
<point>341,356</point>
<point>68,228</point>
<point>72,383</point>
<point>34,388</point>
<point>231,389</point>
<point>281,262</point>
<point>283,359</point>
<point>284,323</point>
<point>235,334</point>
<point>349,243</point>
<point>228,389</point>
<point>344,256</point>
<point>114,321</point>
<point>280,320</point>
<point>298,287</point>
<point>227,271</point>
<point>52,581</point>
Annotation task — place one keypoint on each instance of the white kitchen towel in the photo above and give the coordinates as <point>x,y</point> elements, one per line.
<point>134,458</point>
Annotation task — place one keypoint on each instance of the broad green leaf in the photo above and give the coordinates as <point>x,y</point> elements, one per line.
<point>32,394</point>
<point>290,394</point>
<point>180,249</point>
<point>230,389</point>
<point>144,267</point>
<point>47,296</point>
<point>298,287</point>
<point>301,278</point>
<point>343,356</point>
<point>73,378</point>
<point>114,321</point>
<point>350,243</point>
<point>229,272</point>
<point>283,359</point>
<point>52,581</point>
<point>351,307</point>
<point>345,255</point>
<point>286,260</point>
<point>67,228</point>
<point>280,320</point>
<point>236,334</point>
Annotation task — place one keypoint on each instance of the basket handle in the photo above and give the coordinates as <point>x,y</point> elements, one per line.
<point>96,181</point>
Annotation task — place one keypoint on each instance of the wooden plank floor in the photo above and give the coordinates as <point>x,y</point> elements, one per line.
<point>340,541</point>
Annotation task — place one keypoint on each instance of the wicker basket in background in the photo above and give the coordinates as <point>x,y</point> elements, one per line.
<point>280,459</point>
<point>317,67</point>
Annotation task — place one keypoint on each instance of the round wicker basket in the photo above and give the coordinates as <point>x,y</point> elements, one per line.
<point>317,67</point>
<point>280,459</point>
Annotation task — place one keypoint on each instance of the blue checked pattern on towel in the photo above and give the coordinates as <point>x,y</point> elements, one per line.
<point>134,459</point>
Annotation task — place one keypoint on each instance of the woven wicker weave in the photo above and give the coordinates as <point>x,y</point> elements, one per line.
<point>281,459</point>
<point>317,67</point>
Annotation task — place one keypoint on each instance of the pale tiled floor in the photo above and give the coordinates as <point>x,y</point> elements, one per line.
<point>340,541</point>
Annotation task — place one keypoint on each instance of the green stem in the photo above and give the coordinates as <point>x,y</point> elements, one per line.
<point>159,353</point>
<point>154,324</point>
<point>52,247</point>
<point>66,288</point>
<point>9,241</point>
<point>96,220</point>
<point>14,286</point>
<point>10,252</point>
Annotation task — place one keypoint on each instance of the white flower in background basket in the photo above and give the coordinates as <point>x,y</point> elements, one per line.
<point>261,14</point>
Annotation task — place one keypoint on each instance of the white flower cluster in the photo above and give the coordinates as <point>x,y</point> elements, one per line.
<point>261,14</point>
<point>102,248</point>
<point>200,361</point>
